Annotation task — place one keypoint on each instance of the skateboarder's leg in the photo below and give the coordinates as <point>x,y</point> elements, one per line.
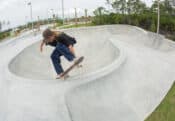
<point>65,52</point>
<point>55,57</point>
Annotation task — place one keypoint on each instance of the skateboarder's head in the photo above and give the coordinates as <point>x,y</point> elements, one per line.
<point>48,35</point>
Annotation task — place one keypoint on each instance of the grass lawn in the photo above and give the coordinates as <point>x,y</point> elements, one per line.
<point>78,25</point>
<point>166,110</point>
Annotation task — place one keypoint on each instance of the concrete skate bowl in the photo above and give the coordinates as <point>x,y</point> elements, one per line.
<point>97,49</point>
<point>128,90</point>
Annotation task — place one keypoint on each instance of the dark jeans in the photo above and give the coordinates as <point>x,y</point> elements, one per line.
<point>60,50</point>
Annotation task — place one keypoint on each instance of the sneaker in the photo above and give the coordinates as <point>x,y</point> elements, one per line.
<point>62,77</point>
<point>59,76</point>
<point>75,59</point>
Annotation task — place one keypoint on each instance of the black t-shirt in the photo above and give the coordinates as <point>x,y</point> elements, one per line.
<point>62,38</point>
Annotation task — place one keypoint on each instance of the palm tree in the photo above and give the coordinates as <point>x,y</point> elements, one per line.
<point>99,11</point>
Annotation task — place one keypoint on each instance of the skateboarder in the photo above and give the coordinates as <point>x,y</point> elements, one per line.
<point>63,44</point>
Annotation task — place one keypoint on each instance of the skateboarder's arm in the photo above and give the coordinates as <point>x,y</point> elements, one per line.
<point>41,46</point>
<point>71,48</point>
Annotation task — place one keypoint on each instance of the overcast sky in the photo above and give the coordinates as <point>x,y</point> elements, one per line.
<point>18,12</point>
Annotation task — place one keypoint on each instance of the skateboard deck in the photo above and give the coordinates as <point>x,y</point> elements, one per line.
<point>65,73</point>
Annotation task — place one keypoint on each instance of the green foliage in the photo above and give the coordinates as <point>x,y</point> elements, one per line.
<point>76,26</point>
<point>59,21</point>
<point>4,34</point>
<point>147,21</point>
<point>153,26</point>
<point>165,8</point>
<point>136,6</point>
<point>167,23</point>
<point>128,6</point>
<point>46,21</point>
<point>120,6</point>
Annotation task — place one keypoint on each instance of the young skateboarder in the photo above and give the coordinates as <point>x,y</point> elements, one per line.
<point>63,44</point>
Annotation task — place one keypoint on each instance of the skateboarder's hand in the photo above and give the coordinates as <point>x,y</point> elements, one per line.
<point>71,48</point>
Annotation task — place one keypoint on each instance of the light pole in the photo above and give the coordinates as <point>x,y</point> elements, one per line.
<point>38,23</point>
<point>52,13</point>
<point>30,4</point>
<point>26,21</point>
<point>53,18</point>
<point>158,16</point>
<point>63,10</point>
<point>76,21</point>
<point>86,15</point>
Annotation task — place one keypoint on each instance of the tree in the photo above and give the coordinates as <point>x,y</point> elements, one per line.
<point>166,7</point>
<point>119,6</point>
<point>100,11</point>
<point>129,6</point>
<point>141,7</point>
<point>123,6</point>
<point>135,7</point>
<point>99,15</point>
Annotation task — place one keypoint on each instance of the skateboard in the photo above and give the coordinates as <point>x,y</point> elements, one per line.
<point>76,63</point>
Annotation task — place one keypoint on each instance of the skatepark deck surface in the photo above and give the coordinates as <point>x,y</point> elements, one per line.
<point>126,73</point>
